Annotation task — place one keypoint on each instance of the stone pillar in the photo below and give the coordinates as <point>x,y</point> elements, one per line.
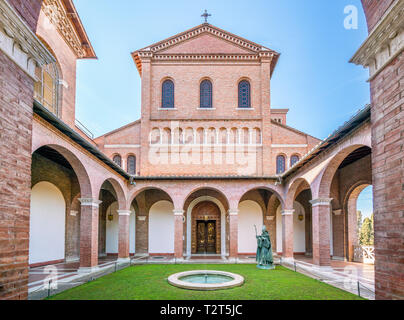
<point>123,243</point>
<point>287,234</point>
<point>178,233</point>
<point>89,234</point>
<point>233,232</point>
<point>321,231</point>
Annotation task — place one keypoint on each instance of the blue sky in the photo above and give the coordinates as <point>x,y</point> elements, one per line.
<point>313,77</point>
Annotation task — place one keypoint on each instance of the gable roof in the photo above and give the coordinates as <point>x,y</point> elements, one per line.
<point>276,123</point>
<point>250,48</point>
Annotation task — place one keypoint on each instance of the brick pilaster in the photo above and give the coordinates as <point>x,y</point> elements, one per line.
<point>123,242</point>
<point>89,233</point>
<point>233,230</point>
<point>321,231</point>
<point>178,233</point>
<point>287,234</point>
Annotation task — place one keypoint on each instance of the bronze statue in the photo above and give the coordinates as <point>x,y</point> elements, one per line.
<point>264,250</point>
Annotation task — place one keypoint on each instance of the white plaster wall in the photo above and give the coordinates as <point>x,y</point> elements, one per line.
<point>250,214</point>
<point>112,230</point>
<point>299,232</point>
<point>47,224</point>
<point>161,228</point>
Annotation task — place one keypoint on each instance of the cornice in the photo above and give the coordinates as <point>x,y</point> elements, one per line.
<point>320,202</point>
<point>198,57</point>
<point>63,21</point>
<point>384,43</point>
<point>19,43</point>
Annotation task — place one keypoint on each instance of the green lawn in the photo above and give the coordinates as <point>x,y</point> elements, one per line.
<point>149,282</point>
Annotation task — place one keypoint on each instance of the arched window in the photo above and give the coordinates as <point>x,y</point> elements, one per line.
<point>167,94</point>
<point>294,159</point>
<point>118,160</point>
<point>244,94</point>
<point>132,165</point>
<point>45,88</point>
<point>280,164</point>
<point>206,94</point>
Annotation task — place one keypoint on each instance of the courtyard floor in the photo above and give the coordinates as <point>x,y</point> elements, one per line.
<point>149,282</point>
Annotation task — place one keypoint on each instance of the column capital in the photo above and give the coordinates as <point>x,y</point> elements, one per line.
<point>320,202</point>
<point>288,212</point>
<point>337,212</point>
<point>90,202</point>
<point>124,212</point>
<point>178,212</point>
<point>233,212</point>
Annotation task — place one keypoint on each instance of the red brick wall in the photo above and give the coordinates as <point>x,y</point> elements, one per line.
<point>388,178</point>
<point>16,92</point>
<point>374,10</point>
<point>387,117</point>
<point>28,10</point>
<point>66,61</point>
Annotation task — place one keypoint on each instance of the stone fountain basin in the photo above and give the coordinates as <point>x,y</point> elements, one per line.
<point>176,280</point>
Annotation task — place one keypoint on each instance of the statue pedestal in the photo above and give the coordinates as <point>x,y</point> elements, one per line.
<point>266,267</point>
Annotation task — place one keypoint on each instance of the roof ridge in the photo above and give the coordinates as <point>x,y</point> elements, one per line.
<point>293,129</point>
<point>120,128</point>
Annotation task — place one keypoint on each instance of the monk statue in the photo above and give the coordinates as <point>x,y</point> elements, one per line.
<point>264,250</point>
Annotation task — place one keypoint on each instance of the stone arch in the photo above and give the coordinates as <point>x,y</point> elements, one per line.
<point>143,199</point>
<point>119,192</point>
<point>207,188</point>
<point>78,167</point>
<point>350,209</point>
<point>189,217</point>
<point>293,190</point>
<point>322,188</point>
<point>137,192</point>
<point>277,192</point>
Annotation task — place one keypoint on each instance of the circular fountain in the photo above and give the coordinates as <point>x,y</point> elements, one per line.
<point>205,280</point>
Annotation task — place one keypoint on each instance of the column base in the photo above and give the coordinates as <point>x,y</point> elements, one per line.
<point>288,260</point>
<point>123,260</point>
<point>88,269</point>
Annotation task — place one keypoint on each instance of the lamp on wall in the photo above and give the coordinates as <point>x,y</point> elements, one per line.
<point>110,215</point>
<point>300,217</point>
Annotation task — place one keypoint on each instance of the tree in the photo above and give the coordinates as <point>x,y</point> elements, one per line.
<point>366,237</point>
<point>359,220</point>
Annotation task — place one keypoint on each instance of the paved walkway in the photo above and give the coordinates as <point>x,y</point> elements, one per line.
<point>357,278</point>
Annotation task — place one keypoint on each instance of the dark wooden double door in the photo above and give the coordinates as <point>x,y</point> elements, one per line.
<point>206,236</point>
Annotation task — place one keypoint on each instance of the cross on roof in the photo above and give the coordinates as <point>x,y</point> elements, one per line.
<point>206,15</point>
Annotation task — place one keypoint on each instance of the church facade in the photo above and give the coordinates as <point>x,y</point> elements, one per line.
<point>208,163</point>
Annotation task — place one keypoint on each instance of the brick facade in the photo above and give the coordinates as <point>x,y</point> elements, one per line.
<point>16,92</point>
<point>387,97</point>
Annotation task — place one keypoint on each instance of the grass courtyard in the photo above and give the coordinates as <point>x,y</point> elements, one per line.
<point>149,282</point>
